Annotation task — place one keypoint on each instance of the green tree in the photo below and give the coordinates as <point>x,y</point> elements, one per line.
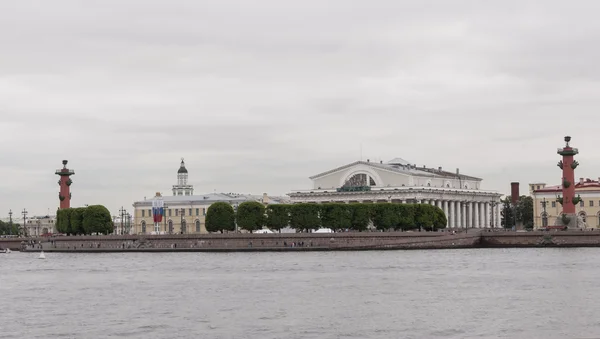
<point>440,221</point>
<point>337,216</point>
<point>305,216</point>
<point>220,217</point>
<point>507,213</point>
<point>525,211</point>
<point>278,216</point>
<point>76,220</point>
<point>63,220</point>
<point>6,229</point>
<point>385,215</point>
<point>250,216</point>
<point>407,214</point>
<point>97,219</point>
<point>425,216</point>
<point>361,216</point>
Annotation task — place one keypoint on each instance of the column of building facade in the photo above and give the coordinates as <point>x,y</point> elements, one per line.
<point>486,214</point>
<point>477,209</point>
<point>458,213</point>
<point>446,213</point>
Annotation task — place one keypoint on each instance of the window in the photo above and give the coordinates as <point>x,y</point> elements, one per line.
<point>183,212</point>
<point>190,212</point>
<point>169,212</point>
<point>204,211</point>
<point>591,203</point>
<point>197,226</point>
<point>581,203</point>
<point>143,213</point>
<point>197,211</point>
<point>143,226</point>
<point>554,204</point>
<point>176,212</point>
<point>150,212</point>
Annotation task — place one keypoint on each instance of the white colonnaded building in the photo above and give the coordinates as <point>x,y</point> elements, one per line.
<point>184,212</point>
<point>460,196</point>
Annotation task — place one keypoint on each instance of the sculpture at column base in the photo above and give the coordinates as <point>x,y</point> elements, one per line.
<point>571,221</point>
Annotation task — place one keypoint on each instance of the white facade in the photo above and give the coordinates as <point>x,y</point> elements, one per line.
<point>39,225</point>
<point>458,195</point>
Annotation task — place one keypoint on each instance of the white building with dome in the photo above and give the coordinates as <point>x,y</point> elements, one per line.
<point>184,212</point>
<point>460,196</point>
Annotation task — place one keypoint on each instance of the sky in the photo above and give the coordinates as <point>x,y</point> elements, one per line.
<point>259,95</point>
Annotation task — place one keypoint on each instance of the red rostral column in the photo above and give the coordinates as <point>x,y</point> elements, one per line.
<point>65,182</point>
<point>568,165</point>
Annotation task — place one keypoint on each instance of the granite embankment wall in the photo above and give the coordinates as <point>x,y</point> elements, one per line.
<point>257,242</point>
<point>576,238</point>
<point>307,242</point>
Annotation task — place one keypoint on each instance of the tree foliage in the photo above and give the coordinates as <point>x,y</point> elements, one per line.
<point>361,216</point>
<point>250,216</point>
<point>76,220</point>
<point>523,211</point>
<point>220,217</point>
<point>6,229</point>
<point>337,216</point>
<point>278,216</point>
<point>358,217</point>
<point>97,219</point>
<point>305,216</point>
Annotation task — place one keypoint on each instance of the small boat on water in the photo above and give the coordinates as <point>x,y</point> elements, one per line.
<point>42,256</point>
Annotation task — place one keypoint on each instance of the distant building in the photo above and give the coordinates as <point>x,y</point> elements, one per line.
<point>39,225</point>
<point>185,213</point>
<point>459,196</point>
<point>588,209</point>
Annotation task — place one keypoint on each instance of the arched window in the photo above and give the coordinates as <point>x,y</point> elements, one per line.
<point>598,218</point>
<point>183,227</point>
<point>357,180</point>
<point>197,226</point>
<point>544,219</point>
<point>143,227</point>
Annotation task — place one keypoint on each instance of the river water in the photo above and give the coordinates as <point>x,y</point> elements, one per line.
<point>473,293</point>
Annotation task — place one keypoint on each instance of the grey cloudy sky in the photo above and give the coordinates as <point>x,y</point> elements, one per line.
<point>258,95</point>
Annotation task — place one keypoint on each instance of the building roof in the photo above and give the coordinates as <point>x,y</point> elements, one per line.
<point>400,165</point>
<point>582,184</point>
<point>210,198</point>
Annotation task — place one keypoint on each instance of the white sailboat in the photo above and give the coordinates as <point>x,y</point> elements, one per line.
<point>8,250</point>
<point>42,256</point>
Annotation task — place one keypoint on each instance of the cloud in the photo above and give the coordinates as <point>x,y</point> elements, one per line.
<point>257,96</point>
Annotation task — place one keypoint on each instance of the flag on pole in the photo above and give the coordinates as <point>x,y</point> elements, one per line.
<point>158,209</point>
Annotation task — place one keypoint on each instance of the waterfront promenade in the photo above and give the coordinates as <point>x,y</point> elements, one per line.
<point>351,241</point>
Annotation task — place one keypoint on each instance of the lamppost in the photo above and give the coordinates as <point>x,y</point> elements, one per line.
<point>10,222</point>
<point>24,227</point>
<point>544,214</point>
<point>122,210</point>
<point>165,218</point>
<point>235,207</point>
<point>183,226</point>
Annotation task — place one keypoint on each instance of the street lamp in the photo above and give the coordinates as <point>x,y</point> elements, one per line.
<point>122,210</point>
<point>24,227</point>
<point>10,222</point>
<point>183,228</point>
<point>544,214</point>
